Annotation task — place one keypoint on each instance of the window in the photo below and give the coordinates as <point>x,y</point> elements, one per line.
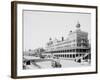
<point>70,50</point>
<point>76,55</point>
<point>73,50</point>
<point>70,56</point>
<point>67,50</point>
<point>73,55</point>
<point>67,55</point>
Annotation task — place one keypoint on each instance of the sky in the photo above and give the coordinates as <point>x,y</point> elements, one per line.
<point>39,26</point>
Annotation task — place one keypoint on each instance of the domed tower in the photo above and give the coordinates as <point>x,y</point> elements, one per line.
<point>79,42</point>
<point>78,26</point>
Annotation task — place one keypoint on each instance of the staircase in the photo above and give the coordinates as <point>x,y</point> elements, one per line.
<point>82,58</point>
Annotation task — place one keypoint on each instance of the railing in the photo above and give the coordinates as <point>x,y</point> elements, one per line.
<point>81,58</point>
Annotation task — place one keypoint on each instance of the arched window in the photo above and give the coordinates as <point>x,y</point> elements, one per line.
<point>63,55</point>
<point>76,55</point>
<point>73,55</point>
<point>67,55</point>
<point>70,55</point>
<point>67,50</point>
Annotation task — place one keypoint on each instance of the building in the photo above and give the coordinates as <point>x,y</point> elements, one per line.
<point>34,52</point>
<point>28,53</point>
<point>30,56</point>
<point>75,46</point>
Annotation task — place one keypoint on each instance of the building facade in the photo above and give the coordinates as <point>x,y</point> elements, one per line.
<point>76,45</point>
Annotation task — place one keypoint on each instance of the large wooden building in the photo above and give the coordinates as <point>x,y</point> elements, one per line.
<point>76,45</point>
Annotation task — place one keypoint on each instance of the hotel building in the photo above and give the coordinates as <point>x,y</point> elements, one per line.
<point>76,45</point>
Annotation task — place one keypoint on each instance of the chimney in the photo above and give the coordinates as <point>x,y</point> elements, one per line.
<point>70,31</point>
<point>50,38</point>
<point>62,38</point>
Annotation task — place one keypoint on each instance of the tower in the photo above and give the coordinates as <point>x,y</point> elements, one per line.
<point>78,25</point>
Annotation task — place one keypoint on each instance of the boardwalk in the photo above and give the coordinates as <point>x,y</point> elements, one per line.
<point>47,64</point>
